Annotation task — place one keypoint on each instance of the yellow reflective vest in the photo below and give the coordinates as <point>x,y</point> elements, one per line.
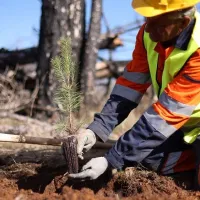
<point>173,64</point>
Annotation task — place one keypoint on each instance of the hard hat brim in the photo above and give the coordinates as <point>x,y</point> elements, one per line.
<point>146,10</point>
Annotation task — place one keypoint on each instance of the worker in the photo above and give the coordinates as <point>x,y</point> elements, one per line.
<point>166,138</point>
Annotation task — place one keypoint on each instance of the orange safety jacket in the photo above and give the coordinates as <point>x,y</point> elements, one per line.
<point>181,90</point>
<point>159,122</point>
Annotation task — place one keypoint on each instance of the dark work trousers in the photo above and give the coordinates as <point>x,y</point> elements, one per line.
<point>174,156</point>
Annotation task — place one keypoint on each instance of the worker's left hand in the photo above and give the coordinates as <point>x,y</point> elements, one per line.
<point>92,170</point>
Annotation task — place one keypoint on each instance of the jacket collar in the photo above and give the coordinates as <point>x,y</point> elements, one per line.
<point>180,42</point>
<point>184,38</point>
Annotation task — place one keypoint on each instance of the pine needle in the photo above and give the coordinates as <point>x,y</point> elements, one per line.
<point>66,95</point>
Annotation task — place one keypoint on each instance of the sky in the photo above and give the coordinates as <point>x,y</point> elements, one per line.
<point>21,20</point>
<point>18,18</point>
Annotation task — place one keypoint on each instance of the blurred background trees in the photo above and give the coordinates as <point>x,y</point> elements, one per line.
<point>67,18</point>
<point>27,83</point>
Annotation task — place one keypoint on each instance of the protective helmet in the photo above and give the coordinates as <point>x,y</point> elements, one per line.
<point>150,8</point>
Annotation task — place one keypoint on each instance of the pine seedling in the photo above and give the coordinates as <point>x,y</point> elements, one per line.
<point>67,96</point>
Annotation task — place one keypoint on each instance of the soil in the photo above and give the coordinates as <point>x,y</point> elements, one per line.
<point>36,182</point>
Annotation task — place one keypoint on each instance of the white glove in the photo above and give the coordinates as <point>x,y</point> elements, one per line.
<point>86,139</point>
<point>92,170</point>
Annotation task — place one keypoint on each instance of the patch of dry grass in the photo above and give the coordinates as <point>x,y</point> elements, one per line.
<point>17,170</point>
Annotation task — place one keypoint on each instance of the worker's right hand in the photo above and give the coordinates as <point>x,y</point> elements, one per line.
<point>86,139</point>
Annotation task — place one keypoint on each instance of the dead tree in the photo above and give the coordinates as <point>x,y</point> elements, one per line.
<point>17,57</point>
<point>49,34</point>
<point>59,18</point>
<point>91,50</point>
<point>72,19</point>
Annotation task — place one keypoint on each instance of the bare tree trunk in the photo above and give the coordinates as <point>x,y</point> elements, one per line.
<point>91,50</point>
<point>72,24</point>
<point>49,35</point>
<point>60,18</point>
<point>76,19</point>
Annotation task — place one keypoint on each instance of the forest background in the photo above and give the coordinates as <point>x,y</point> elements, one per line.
<point>103,37</point>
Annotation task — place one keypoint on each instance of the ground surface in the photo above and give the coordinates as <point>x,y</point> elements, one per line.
<point>33,182</point>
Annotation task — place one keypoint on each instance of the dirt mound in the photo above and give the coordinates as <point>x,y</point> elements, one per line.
<point>36,182</point>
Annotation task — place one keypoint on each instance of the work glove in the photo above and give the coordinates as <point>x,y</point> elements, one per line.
<point>86,139</point>
<point>91,170</point>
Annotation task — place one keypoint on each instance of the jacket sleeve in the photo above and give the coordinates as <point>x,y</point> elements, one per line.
<point>172,110</point>
<point>126,94</point>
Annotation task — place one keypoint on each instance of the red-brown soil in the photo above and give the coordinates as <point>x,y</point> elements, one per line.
<point>34,182</point>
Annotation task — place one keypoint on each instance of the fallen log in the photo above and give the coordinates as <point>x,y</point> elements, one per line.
<point>44,141</point>
<point>110,41</point>
<point>24,139</point>
<point>29,140</point>
<point>107,69</point>
<point>49,155</point>
<point>12,58</point>
<point>26,126</point>
<point>11,153</point>
<point>30,55</point>
<point>26,73</point>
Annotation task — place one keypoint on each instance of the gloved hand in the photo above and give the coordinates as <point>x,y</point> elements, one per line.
<point>86,139</point>
<point>92,170</point>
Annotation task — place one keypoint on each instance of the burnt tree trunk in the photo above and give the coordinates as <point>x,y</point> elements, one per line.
<point>49,35</point>
<point>90,54</point>
<point>76,27</point>
<point>72,19</point>
<point>60,18</point>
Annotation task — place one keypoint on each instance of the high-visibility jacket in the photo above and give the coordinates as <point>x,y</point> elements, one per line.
<point>175,75</point>
<point>175,108</point>
<point>189,111</point>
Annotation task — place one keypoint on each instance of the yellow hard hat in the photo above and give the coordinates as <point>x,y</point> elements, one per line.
<point>150,8</point>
